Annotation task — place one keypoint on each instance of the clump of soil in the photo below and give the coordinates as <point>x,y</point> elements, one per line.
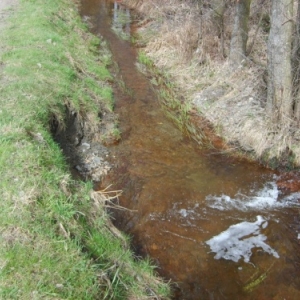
<point>82,140</point>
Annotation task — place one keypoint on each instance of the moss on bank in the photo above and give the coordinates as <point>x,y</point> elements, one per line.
<point>56,239</point>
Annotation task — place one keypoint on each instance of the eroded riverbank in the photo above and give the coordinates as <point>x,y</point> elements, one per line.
<point>181,198</point>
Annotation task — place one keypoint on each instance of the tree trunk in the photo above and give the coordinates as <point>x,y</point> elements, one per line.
<point>218,7</point>
<point>296,65</point>
<point>240,32</point>
<point>279,99</point>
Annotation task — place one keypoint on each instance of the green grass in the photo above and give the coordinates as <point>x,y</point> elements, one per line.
<point>175,108</point>
<point>144,59</point>
<point>55,242</point>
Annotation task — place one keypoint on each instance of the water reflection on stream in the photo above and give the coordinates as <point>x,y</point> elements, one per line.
<point>216,226</point>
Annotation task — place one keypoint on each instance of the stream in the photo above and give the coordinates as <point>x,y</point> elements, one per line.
<point>218,227</point>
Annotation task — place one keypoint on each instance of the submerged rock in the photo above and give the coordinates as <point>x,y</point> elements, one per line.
<point>289,182</point>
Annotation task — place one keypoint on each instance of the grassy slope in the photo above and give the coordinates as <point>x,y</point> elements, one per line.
<point>55,241</point>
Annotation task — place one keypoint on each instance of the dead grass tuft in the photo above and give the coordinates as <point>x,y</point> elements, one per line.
<point>12,234</point>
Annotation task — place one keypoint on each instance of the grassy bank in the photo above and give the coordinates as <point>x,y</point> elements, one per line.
<point>177,108</point>
<point>56,239</point>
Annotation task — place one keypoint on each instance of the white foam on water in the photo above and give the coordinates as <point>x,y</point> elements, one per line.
<point>266,198</point>
<point>238,241</point>
<point>183,212</point>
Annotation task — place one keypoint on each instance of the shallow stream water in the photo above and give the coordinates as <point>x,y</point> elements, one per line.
<point>216,226</point>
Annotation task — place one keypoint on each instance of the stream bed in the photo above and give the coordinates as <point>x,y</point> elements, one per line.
<point>218,227</point>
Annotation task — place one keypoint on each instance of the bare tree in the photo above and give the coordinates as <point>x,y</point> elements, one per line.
<point>218,7</point>
<point>296,65</point>
<point>279,98</point>
<point>240,32</point>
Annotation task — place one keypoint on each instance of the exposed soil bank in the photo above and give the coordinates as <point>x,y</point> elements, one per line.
<point>82,143</point>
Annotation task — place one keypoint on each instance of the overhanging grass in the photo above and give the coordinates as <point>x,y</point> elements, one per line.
<point>55,242</point>
<point>175,108</point>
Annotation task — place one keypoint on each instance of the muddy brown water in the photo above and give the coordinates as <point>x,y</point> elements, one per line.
<point>217,227</point>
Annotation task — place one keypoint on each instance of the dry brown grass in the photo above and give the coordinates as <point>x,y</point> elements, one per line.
<point>183,40</point>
